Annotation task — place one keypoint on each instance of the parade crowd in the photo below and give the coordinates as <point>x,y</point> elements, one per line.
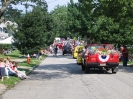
<point>59,44</point>
<point>10,68</point>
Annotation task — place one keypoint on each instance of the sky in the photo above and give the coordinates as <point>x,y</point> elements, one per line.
<point>53,3</point>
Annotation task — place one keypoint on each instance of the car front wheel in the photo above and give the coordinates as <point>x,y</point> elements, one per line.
<point>114,70</point>
<point>87,70</point>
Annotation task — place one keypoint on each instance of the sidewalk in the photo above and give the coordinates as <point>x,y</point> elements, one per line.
<point>19,60</point>
<point>3,88</point>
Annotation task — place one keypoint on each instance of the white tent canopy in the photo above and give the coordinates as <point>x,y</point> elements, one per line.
<point>8,40</point>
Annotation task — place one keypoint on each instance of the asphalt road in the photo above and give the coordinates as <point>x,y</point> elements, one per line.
<point>61,78</point>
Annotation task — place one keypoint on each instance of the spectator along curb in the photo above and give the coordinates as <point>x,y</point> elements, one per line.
<point>4,88</point>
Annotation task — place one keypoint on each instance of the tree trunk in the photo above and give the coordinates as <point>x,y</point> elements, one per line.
<point>5,4</point>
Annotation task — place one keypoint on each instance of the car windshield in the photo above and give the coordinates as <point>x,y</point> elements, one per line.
<point>94,47</point>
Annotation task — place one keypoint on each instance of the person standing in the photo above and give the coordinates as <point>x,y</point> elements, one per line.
<point>2,68</point>
<point>40,55</point>
<point>51,49</point>
<point>125,55</point>
<point>7,66</point>
<point>55,50</point>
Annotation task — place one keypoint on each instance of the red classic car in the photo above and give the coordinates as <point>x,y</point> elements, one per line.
<point>101,56</point>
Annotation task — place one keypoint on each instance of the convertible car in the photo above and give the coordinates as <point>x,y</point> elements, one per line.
<point>101,56</point>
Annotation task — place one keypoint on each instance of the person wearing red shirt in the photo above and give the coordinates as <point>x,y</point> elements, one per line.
<point>125,55</point>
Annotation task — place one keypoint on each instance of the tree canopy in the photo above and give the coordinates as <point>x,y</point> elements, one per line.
<point>101,21</point>
<point>34,31</point>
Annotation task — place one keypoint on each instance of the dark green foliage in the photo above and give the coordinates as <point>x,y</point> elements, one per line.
<point>74,20</point>
<point>59,16</point>
<point>33,32</point>
<point>130,49</point>
<point>5,46</point>
<point>12,14</point>
<point>102,21</point>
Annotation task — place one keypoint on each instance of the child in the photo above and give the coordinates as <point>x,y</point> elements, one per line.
<point>7,66</point>
<point>21,74</point>
<point>2,68</point>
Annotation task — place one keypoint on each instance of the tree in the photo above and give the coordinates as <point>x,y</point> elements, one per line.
<point>33,31</point>
<point>74,17</point>
<point>107,21</point>
<point>59,16</point>
<point>81,19</point>
<point>121,14</point>
<point>6,3</point>
<point>12,14</point>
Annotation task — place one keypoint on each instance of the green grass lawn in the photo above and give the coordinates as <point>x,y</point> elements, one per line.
<point>14,55</point>
<point>129,62</point>
<point>10,82</point>
<point>33,62</point>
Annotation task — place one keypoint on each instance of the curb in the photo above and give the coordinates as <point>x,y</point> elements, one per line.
<point>130,65</point>
<point>30,70</point>
<point>3,90</point>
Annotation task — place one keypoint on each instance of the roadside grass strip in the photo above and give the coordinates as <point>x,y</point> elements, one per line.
<point>24,66</point>
<point>10,82</point>
<point>129,63</point>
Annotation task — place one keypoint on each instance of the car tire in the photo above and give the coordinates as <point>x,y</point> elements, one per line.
<point>87,70</point>
<point>107,69</point>
<point>114,70</point>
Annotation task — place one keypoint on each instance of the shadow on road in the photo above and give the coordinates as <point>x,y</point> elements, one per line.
<point>127,69</point>
<point>55,71</point>
<point>62,56</point>
<point>120,69</point>
<point>60,70</point>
